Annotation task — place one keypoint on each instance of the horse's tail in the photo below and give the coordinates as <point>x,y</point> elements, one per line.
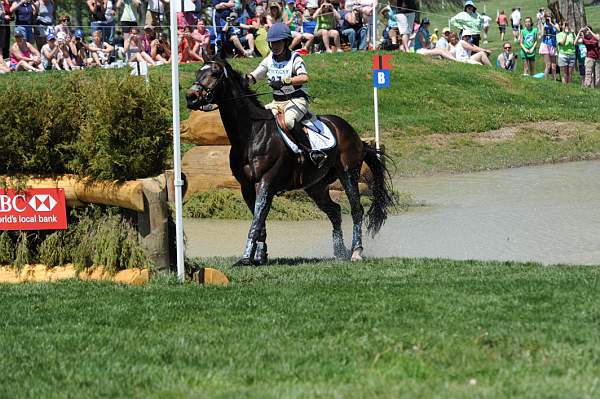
<point>381,187</point>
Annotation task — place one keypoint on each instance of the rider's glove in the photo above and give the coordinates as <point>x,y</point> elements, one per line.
<point>276,84</point>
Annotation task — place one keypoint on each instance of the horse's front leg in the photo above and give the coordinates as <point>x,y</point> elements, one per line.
<point>260,252</point>
<point>262,205</point>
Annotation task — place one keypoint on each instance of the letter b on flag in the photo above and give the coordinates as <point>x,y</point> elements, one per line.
<point>381,78</point>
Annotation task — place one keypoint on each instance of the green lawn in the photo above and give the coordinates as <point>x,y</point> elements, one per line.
<point>384,328</point>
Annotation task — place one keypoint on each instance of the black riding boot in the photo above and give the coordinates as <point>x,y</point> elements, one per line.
<point>317,157</point>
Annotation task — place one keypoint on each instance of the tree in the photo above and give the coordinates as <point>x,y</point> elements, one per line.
<point>571,11</point>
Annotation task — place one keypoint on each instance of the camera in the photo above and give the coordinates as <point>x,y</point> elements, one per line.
<point>229,19</point>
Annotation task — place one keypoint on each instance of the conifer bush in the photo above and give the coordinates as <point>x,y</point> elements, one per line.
<point>99,125</point>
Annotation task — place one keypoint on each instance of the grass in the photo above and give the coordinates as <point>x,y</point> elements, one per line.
<point>385,328</point>
<point>294,205</point>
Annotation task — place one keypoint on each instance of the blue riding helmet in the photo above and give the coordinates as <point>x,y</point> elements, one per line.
<point>79,33</point>
<point>279,32</point>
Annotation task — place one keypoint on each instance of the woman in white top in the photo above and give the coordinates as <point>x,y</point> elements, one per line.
<point>469,53</point>
<point>99,50</point>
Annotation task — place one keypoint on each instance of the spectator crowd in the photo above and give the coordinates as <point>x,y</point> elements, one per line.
<point>42,41</point>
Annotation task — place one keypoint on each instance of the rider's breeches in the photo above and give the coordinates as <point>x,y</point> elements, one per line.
<point>294,110</point>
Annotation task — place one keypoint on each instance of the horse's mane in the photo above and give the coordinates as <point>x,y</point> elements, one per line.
<point>238,79</point>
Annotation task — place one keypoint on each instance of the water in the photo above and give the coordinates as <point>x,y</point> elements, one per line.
<point>548,214</point>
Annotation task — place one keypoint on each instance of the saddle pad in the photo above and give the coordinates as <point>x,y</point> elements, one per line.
<point>319,135</point>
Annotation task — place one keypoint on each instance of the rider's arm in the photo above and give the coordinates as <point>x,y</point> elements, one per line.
<point>301,75</point>
<point>260,72</point>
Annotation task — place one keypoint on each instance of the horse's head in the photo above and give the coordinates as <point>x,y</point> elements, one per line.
<point>208,86</point>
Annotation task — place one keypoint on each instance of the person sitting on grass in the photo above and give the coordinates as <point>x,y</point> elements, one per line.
<point>51,54</point>
<point>161,49</point>
<point>354,29</point>
<point>99,51</point>
<point>201,36</point>
<point>3,67</point>
<point>507,60</point>
<point>65,51</point>
<point>444,40</point>
<point>186,48</point>
<point>78,48</point>
<point>423,43</point>
<point>237,35</point>
<point>528,42</point>
<point>470,53</point>
<point>327,18</point>
<point>392,29</point>
<point>275,15</point>
<point>23,56</point>
<point>134,49</point>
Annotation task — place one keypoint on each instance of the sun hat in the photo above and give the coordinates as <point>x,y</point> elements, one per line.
<point>20,31</point>
<point>61,36</point>
<point>470,3</point>
<point>446,30</point>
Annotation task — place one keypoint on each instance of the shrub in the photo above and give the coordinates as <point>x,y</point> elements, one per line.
<point>100,125</point>
<point>7,249</point>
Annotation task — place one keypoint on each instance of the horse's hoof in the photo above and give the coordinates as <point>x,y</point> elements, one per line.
<point>243,262</point>
<point>357,255</point>
<point>260,256</point>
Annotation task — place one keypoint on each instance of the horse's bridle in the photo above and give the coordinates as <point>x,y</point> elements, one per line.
<point>207,94</point>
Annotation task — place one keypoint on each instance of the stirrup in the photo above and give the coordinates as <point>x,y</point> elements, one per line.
<point>317,157</point>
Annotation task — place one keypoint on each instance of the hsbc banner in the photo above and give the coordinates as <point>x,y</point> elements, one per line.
<point>33,209</point>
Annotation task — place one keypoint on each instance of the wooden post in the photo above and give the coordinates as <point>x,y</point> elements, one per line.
<point>153,222</point>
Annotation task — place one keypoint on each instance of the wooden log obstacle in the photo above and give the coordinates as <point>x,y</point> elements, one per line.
<point>146,197</point>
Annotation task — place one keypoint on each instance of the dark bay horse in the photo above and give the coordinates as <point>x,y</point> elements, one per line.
<point>264,166</point>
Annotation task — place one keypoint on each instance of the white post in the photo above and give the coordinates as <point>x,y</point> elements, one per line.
<point>176,143</point>
<point>375,99</point>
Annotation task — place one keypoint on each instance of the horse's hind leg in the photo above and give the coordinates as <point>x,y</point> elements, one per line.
<point>349,180</point>
<point>320,194</point>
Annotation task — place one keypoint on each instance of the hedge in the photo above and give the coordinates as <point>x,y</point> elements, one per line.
<point>97,124</point>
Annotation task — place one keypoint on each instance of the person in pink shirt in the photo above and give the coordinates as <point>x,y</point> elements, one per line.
<point>201,36</point>
<point>23,56</point>
<point>502,21</point>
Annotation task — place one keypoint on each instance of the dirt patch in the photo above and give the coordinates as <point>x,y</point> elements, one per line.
<point>558,131</point>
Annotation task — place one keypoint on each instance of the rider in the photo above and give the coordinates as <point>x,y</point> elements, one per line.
<point>287,74</point>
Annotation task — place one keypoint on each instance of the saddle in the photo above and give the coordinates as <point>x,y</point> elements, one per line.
<point>298,134</point>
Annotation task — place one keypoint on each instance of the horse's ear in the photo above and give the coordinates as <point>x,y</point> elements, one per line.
<point>208,58</point>
<point>219,56</point>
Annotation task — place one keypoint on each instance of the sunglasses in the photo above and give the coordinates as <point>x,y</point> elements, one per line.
<point>507,48</point>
